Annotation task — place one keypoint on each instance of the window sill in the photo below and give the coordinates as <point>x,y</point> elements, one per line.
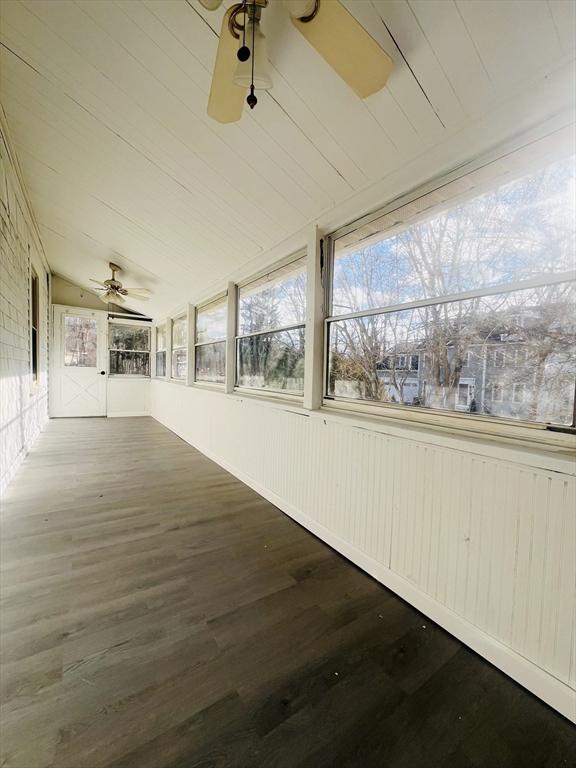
<point>474,431</point>
<point>275,393</point>
<point>270,396</point>
<point>212,386</point>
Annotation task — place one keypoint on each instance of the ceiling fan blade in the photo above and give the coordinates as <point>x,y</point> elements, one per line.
<point>112,298</point>
<point>138,291</point>
<point>211,5</point>
<point>98,282</point>
<point>346,46</point>
<point>137,295</point>
<point>226,99</point>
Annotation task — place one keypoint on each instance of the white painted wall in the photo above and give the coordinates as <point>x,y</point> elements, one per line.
<point>70,295</point>
<point>23,404</point>
<point>128,396</point>
<point>478,535</point>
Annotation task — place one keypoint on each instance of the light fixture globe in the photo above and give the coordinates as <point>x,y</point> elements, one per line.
<point>243,74</point>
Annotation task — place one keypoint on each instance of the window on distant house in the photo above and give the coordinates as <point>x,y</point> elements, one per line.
<point>129,349</point>
<point>34,325</point>
<point>449,273</point>
<point>518,392</point>
<point>498,358</point>
<point>497,392</point>
<point>211,320</point>
<point>161,350</point>
<point>180,347</point>
<point>270,340</point>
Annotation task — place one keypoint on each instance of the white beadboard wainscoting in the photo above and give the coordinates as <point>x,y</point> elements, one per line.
<point>481,537</point>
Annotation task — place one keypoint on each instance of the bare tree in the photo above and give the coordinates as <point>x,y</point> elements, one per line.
<point>503,236</point>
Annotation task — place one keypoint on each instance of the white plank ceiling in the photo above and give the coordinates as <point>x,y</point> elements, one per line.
<point>106,102</point>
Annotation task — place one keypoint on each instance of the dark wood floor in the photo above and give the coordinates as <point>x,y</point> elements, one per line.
<point>157,613</point>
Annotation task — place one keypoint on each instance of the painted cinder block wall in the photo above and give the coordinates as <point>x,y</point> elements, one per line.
<point>23,404</point>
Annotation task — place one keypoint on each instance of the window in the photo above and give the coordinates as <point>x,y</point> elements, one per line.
<point>210,346</point>
<point>180,347</point>
<point>80,341</point>
<point>466,395</point>
<point>129,349</point>
<point>497,392</point>
<point>518,392</point>
<point>270,341</point>
<point>34,326</point>
<point>161,350</point>
<point>489,274</point>
<point>498,358</point>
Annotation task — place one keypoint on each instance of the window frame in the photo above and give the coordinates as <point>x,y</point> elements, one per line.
<point>298,395</point>
<point>511,160</point>
<point>34,329</point>
<point>170,361</point>
<point>518,386</point>
<point>496,386</point>
<point>477,421</point>
<point>140,324</point>
<point>220,298</point>
<point>154,346</point>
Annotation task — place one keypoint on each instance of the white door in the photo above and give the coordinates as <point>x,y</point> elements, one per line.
<point>78,362</point>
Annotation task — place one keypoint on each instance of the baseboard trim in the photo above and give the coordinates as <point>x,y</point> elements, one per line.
<point>545,686</point>
<point>127,414</point>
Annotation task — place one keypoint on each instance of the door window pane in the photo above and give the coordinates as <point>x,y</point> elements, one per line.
<point>80,341</point>
<point>211,362</point>
<point>539,387</point>
<point>272,361</point>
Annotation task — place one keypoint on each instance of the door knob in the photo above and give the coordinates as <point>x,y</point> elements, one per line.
<point>102,373</point>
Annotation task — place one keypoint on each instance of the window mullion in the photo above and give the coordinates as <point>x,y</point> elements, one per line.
<point>478,293</point>
<point>191,343</point>
<point>231,324</point>
<point>314,333</point>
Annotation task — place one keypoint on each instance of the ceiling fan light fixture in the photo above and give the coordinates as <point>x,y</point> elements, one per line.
<point>301,9</point>
<point>243,74</point>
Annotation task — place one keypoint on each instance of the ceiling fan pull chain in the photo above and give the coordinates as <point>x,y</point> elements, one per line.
<point>244,52</point>
<point>251,99</point>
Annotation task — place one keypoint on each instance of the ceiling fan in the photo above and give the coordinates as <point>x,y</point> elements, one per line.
<point>113,291</point>
<point>242,61</point>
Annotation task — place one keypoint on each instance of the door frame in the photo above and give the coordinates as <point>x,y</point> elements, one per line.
<point>59,311</point>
